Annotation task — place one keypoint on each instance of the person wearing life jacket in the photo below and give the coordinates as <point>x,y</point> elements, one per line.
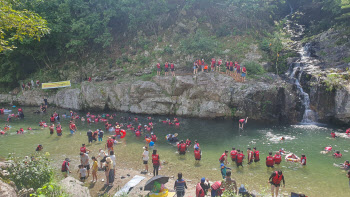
<point>216,189</point>
<point>52,118</point>
<point>139,127</point>
<point>65,167</point>
<point>256,154</point>
<point>156,162</point>
<point>348,131</point>
<point>96,120</point>
<point>202,187</point>
<point>233,154</point>
<point>137,133</point>
<point>218,65</point>
<point>333,134</point>
<point>20,110</point>
<point>72,127</point>
<point>223,157</point>
<point>282,151</point>
<point>188,143</point>
<point>328,148</point>
<point>277,158</point>
<point>153,137</point>
<point>39,147</point>
<point>117,131</point>
<point>239,158</point>
<point>197,155</point>
<point>242,122</point>
<point>244,73</point>
<point>275,181</point>
<point>213,61</point>
<point>270,160</point>
<point>2,110</point>
<point>109,144</point>
<point>83,148</point>
<point>180,186</point>
<point>196,144</point>
<point>238,70</point>
<point>182,148</point>
<point>52,128</point>
<point>166,68</point>
<point>337,154</point>
<point>172,68</point>
<point>303,160</point>
<point>59,129</point>
<point>21,130</point>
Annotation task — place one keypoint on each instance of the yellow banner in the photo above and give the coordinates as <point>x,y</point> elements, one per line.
<point>59,84</point>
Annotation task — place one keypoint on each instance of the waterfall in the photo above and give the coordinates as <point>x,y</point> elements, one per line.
<point>297,68</point>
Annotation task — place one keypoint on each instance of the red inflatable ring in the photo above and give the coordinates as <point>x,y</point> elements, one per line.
<point>122,131</point>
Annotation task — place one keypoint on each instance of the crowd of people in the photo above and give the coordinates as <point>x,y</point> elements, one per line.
<point>107,159</point>
<point>233,69</point>
<point>30,85</point>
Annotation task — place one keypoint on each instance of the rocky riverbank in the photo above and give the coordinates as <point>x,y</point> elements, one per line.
<point>206,95</point>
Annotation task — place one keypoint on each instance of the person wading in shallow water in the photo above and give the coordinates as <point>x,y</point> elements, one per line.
<point>275,181</point>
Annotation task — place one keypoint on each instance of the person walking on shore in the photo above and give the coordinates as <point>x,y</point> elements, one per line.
<point>180,186</point>
<point>275,181</point>
<point>156,162</point>
<point>145,157</point>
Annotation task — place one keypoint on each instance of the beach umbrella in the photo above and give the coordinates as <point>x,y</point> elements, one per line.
<point>159,178</point>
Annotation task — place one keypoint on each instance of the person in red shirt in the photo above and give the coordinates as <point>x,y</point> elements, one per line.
<point>239,158</point>
<point>333,134</point>
<point>197,155</point>
<point>89,79</point>
<point>256,155</point>
<point>172,68</point>
<point>270,161</point>
<point>218,65</point>
<point>59,129</point>
<point>233,154</point>
<point>52,128</point>
<point>277,158</point>
<point>242,122</point>
<point>72,127</point>
<point>213,61</point>
<point>158,69</point>
<point>244,73</point>
<point>156,162</point>
<point>83,148</point>
<point>166,68</point>
<point>238,70</point>
<point>231,69</point>
<point>303,160</point>
<point>227,68</point>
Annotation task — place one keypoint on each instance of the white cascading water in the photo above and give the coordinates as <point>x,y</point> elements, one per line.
<point>296,71</point>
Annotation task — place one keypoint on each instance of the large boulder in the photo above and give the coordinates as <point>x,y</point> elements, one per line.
<point>6,190</point>
<point>73,187</point>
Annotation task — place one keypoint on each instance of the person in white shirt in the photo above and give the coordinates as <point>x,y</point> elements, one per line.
<point>112,156</point>
<point>145,157</point>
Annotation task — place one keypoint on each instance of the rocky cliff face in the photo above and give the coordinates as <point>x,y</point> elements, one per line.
<point>207,95</point>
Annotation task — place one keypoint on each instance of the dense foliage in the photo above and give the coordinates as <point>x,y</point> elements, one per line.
<point>30,173</point>
<point>85,29</point>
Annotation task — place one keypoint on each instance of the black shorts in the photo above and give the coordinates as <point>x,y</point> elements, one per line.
<point>82,178</point>
<point>277,163</point>
<point>227,68</point>
<point>172,69</point>
<point>238,71</point>
<point>239,164</point>
<point>159,69</point>
<point>269,166</point>
<point>104,159</point>
<point>198,159</point>
<point>51,132</point>
<point>276,185</point>
<point>256,160</point>
<point>145,162</point>
<point>90,139</point>
<point>233,159</point>
<point>182,152</point>
<point>231,68</point>
<point>59,134</point>
<point>166,69</point>
<point>87,167</point>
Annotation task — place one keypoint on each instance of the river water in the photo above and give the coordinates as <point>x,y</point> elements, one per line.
<point>319,178</point>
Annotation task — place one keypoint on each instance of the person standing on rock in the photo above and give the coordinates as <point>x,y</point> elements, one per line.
<point>156,162</point>
<point>195,67</point>
<point>180,186</point>
<point>212,66</point>
<point>172,68</point>
<point>166,68</point>
<point>158,69</point>
<point>65,167</point>
<point>218,65</point>
<point>244,73</point>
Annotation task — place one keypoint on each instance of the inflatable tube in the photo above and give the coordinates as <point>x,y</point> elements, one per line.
<point>7,111</point>
<point>6,128</point>
<point>292,159</point>
<point>122,131</point>
<point>148,140</point>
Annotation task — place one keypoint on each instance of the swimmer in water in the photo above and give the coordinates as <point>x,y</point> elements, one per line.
<point>242,122</point>
<point>282,138</point>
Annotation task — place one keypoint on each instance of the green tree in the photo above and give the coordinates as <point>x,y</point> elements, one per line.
<point>18,25</point>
